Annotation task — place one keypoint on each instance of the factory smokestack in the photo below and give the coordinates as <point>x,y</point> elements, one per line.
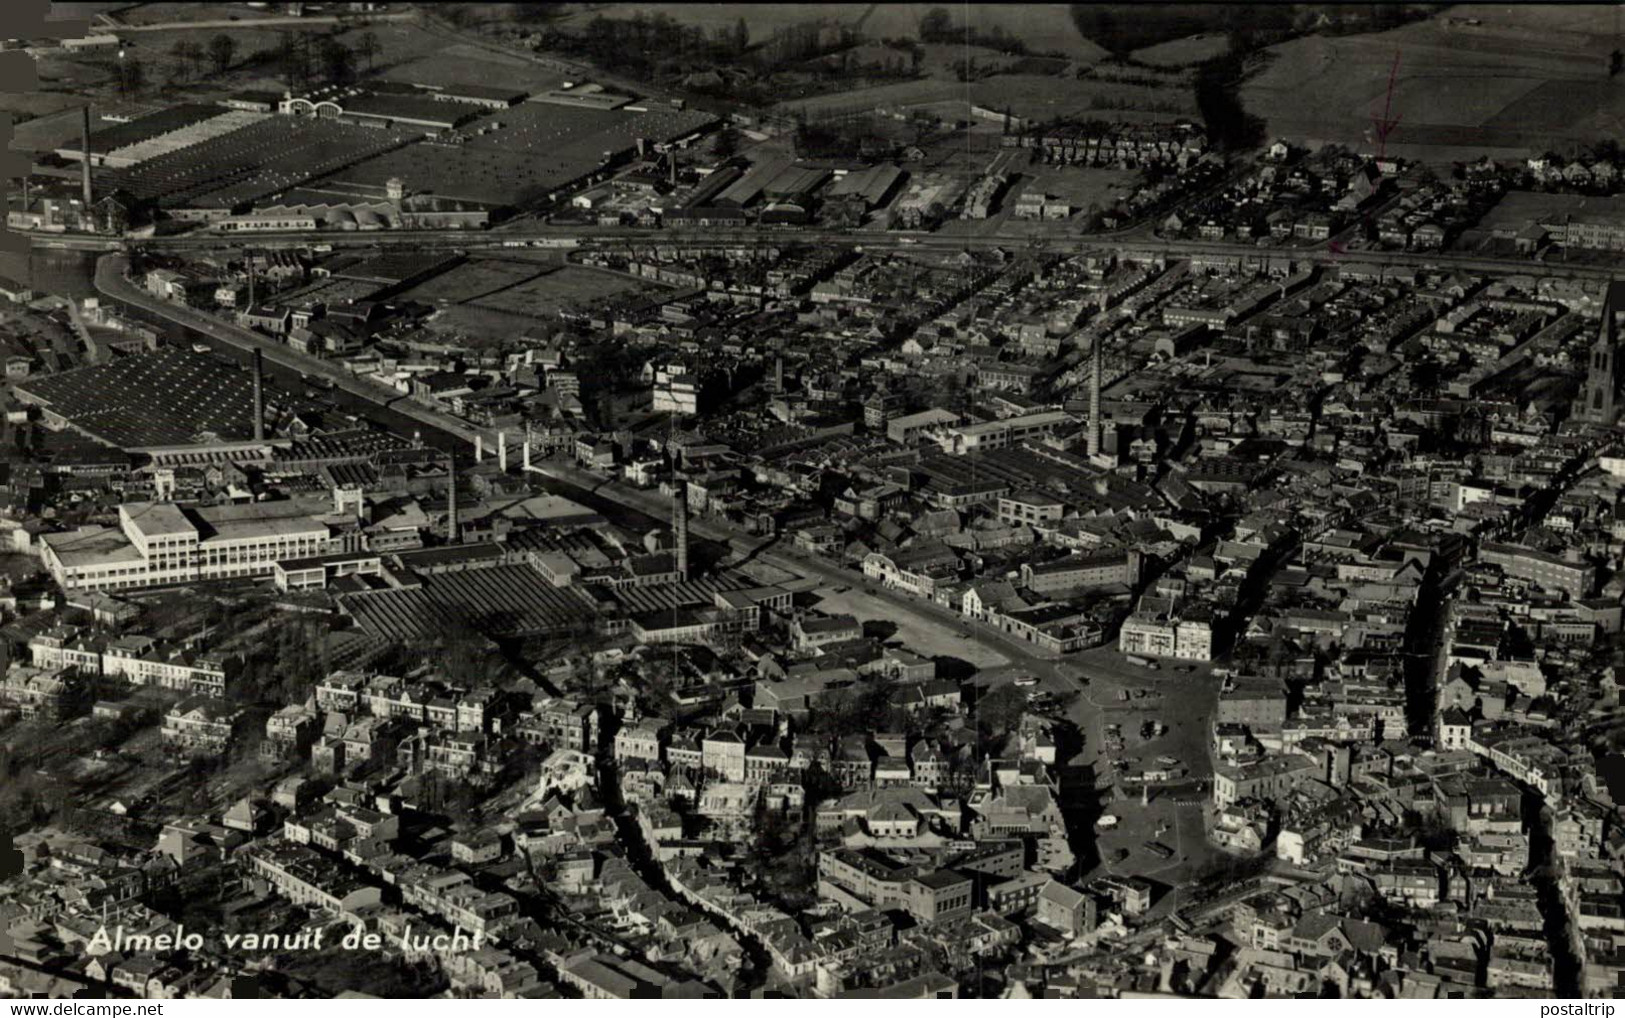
<point>259,395</point>
<point>84,150</point>
<point>453,535</point>
<point>679,528</point>
<point>1094,400</point>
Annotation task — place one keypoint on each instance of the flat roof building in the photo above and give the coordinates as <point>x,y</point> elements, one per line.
<point>160,543</point>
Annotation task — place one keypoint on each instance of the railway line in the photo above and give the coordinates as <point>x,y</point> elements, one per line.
<point>566,237</point>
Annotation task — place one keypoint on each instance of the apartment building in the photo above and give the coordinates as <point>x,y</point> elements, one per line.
<point>1093,569</point>
<point>1160,636</point>
<point>1552,572</point>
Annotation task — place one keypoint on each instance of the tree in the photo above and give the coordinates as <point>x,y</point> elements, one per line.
<point>1425,376</point>
<point>936,26</point>
<point>338,62</point>
<point>132,77</point>
<point>222,48</point>
<point>727,143</point>
<point>1000,710</point>
<point>293,59</point>
<point>741,38</point>
<point>532,12</point>
<point>367,48</point>
<point>186,54</point>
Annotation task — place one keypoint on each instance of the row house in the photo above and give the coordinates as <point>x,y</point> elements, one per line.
<point>452,895</point>
<point>140,660</point>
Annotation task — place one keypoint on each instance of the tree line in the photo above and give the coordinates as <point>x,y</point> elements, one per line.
<point>302,59</point>
<point>937,26</point>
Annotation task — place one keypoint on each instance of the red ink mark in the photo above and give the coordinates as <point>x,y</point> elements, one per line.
<point>1383,126</point>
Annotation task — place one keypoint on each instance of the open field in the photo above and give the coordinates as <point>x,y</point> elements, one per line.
<point>1031,96</point>
<point>471,280</point>
<point>407,58</point>
<point>924,637</point>
<point>37,105</point>
<point>1081,187</point>
<point>547,293</point>
<point>761,19</point>
<point>1044,28</point>
<point>1448,100</point>
<point>899,94</point>
<point>520,287</point>
<point>48,133</point>
<point>1192,49</point>
<point>159,13</point>
<point>543,295</point>
<point>78,9</point>
<point>1524,78</point>
<point>164,73</point>
<point>405,52</point>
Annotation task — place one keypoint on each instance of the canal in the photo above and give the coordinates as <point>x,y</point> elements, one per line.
<point>72,274</point>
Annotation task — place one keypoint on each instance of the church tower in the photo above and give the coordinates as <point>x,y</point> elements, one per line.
<point>1600,397</point>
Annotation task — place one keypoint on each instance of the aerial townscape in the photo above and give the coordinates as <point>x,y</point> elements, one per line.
<point>659,501</point>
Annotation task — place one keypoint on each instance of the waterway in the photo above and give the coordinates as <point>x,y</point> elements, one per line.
<point>54,271</point>
<point>72,274</point>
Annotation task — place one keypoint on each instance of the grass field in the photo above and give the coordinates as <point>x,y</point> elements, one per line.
<point>60,10</point>
<point>47,133</point>
<point>1449,100</point>
<point>761,19</point>
<point>1033,96</point>
<point>158,13</point>
<point>407,59</point>
<point>405,52</point>
<point>1080,187</point>
<point>1044,28</point>
<point>550,292</point>
<point>1180,52</point>
<point>498,314</point>
<point>1525,77</point>
<point>472,280</point>
<point>37,104</point>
